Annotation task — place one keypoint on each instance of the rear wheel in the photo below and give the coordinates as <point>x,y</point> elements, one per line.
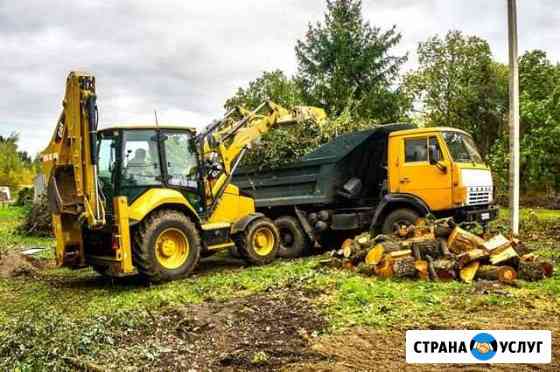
<point>167,246</point>
<point>398,218</point>
<point>293,242</point>
<point>259,242</point>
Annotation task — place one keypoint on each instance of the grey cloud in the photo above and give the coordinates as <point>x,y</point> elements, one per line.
<point>186,57</point>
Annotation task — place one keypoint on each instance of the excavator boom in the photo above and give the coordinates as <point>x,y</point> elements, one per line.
<point>70,159</point>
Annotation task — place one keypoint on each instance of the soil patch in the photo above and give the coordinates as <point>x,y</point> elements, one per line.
<point>259,332</point>
<point>367,349</point>
<point>14,264</point>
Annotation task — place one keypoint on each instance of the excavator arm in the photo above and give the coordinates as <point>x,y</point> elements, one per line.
<point>70,159</point>
<point>228,139</point>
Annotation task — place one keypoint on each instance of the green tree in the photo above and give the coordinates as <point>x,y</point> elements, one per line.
<point>458,84</point>
<point>345,59</point>
<point>274,85</point>
<point>14,170</point>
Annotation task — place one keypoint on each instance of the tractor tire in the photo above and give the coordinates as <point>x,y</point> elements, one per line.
<point>167,246</point>
<point>259,242</point>
<point>397,218</point>
<point>293,241</point>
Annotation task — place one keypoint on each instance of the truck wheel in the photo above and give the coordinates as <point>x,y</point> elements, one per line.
<point>167,246</point>
<point>397,218</point>
<point>259,242</point>
<point>293,242</point>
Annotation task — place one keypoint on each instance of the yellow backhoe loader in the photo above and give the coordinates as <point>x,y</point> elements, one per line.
<point>153,199</point>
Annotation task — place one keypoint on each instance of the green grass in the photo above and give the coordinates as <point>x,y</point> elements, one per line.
<point>62,313</point>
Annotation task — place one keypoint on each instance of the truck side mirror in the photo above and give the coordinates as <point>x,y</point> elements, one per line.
<point>434,155</point>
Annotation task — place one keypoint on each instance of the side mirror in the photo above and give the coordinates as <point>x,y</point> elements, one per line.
<point>434,155</point>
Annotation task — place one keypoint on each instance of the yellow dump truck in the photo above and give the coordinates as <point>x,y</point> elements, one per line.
<point>154,198</point>
<point>381,179</point>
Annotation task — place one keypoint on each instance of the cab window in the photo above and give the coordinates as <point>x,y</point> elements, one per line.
<point>416,149</point>
<point>141,166</point>
<point>181,160</point>
<point>434,144</point>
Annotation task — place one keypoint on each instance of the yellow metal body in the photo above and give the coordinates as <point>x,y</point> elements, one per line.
<point>440,187</point>
<point>123,251</point>
<point>263,241</point>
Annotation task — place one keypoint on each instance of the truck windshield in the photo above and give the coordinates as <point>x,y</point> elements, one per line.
<point>462,147</point>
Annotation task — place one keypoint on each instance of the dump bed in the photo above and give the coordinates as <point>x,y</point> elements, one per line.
<point>318,178</point>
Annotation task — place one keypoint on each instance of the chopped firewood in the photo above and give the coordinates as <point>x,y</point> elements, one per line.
<point>400,254</point>
<point>520,247</point>
<point>389,247</point>
<point>497,243</point>
<point>359,256</point>
<point>535,270</point>
<point>405,267</point>
<point>444,247</point>
<point>422,269</point>
<point>468,272</point>
<point>461,241</point>
<point>385,268</point>
<point>375,255</point>
<point>445,269</point>
<point>347,264</point>
<point>346,247</point>
<point>406,231</point>
<point>442,231</point>
<point>504,274</point>
<point>364,269</point>
<point>431,268</point>
<point>503,256</point>
<point>473,255</point>
<point>426,247</point>
<point>364,240</point>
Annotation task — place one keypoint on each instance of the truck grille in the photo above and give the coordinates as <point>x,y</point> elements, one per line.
<point>479,195</point>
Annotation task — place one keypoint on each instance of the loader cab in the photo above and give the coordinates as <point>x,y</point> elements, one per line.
<point>132,160</point>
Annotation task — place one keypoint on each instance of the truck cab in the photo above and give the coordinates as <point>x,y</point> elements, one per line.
<point>442,168</point>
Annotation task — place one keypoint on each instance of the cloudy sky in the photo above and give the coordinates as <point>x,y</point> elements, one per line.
<point>184,58</point>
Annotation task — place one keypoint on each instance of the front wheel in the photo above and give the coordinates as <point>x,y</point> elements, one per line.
<point>167,246</point>
<point>259,242</point>
<point>398,218</point>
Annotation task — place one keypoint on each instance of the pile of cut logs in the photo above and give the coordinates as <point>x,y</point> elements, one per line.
<point>440,250</point>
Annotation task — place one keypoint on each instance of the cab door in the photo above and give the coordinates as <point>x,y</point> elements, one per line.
<point>425,171</point>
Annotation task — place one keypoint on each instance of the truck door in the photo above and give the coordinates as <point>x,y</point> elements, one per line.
<point>424,171</point>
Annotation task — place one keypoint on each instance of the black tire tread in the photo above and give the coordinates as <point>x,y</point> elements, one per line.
<point>242,238</point>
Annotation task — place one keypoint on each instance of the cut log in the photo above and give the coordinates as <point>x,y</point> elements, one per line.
<point>473,255</point>
<point>504,274</point>
<point>520,247</point>
<point>468,272</point>
<point>426,247</point>
<point>359,256</point>
<point>405,267</point>
<point>347,247</point>
<point>364,240</point>
<point>503,256</point>
<point>347,264</point>
<point>422,269</point>
<point>385,268</point>
<point>535,270</point>
<point>444,247</point>
<point>375,255</point>
<point>445,269</point>
<point>400,254</point>
<point>497,243</point>
<point>431,268</point>
<point>461,241</point>
<point>364,269</point>
<point>332,262</point>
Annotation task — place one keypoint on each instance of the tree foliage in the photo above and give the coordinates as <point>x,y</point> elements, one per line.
<point>458,84</point>
<point>15,166</point>
<point>274,85</point>
<point>346,58</point>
